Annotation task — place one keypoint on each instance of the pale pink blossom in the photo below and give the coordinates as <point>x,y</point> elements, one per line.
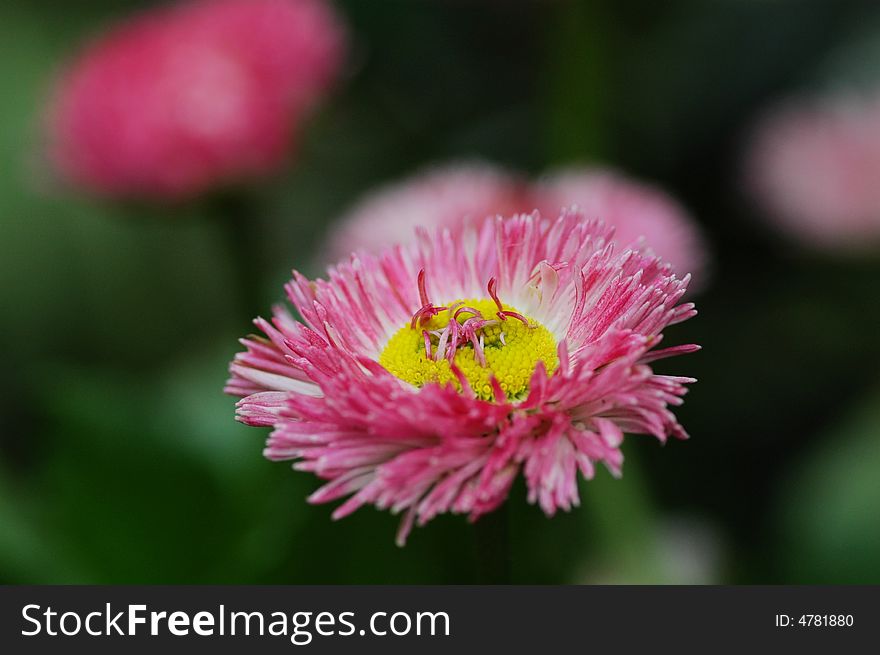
<point>642,215</point>
<point>187,97</point>
<point>426,378</point>
<point>814,169</point>
<point>439,196</point>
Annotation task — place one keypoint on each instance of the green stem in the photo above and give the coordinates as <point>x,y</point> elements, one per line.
<point>620,513</point>
<point>493,547</point>
<point>239,222</point>
<point>576,82</point>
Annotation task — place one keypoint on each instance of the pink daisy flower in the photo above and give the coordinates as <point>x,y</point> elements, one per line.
<point>425,379</point>
<point>187,97</point>
<point>642,215</point>
<point>814,169</point>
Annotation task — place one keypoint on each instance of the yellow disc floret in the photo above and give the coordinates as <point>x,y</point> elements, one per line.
<point>487,346</point>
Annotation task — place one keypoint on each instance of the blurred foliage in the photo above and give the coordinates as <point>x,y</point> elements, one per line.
<point>120,458</point>
<point>828,506</point>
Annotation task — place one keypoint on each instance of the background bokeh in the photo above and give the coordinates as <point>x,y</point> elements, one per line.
<point>120,461</point>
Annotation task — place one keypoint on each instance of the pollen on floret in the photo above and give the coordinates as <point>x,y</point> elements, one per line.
<point>501,346</point>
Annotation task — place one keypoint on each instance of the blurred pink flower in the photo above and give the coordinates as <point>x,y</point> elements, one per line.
<point>184,98</point>
<point>636,210</point>
<point>460,192</point>
<point>425,379</point>
<point>815,170</point>
<point>442,196</point>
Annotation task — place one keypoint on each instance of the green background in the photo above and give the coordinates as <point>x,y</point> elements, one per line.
<point>119,458</point>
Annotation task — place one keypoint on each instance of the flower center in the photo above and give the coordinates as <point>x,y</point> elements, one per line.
<point>474,339</point>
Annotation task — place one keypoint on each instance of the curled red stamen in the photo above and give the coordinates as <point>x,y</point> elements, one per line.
<point>425,314</point>
<point>505,313</point>
<point>492,287</point>
<point>475,312</point>
<point>427,344</point>
<point>423,293</point>
<point>427,311</point>
<point>502,313</point>
<point>456,334</point>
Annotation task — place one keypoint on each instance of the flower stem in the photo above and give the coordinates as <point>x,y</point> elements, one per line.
<point>493,547</point>
<point>576,80</point>
<point>620,514</point>
<point>238,217</point>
